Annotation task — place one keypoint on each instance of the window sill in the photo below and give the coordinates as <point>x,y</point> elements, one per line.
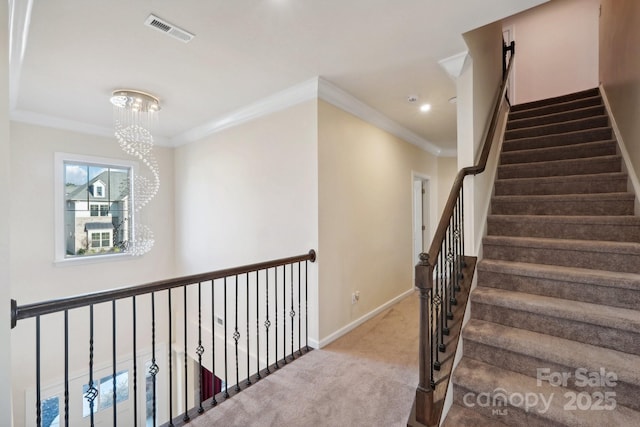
<point>95,259</point>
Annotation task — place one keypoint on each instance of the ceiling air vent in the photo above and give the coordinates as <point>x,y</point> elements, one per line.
<point>169,29</point>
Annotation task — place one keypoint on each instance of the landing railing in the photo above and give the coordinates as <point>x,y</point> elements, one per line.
<point>441,273</point>
<point>229,327</point>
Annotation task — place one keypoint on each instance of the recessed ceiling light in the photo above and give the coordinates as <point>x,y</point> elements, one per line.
<point>425,107</point>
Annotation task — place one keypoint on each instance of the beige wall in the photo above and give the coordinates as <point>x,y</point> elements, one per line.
<point>620,69</point>
<point>36,278</point>
<point>249,194</point>
<point>557,49</point>
<point>447,170</point>
<point>5,284</point>
<point>365,216</point>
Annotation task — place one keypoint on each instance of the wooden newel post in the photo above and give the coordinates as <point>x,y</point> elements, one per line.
<point>425,408</point>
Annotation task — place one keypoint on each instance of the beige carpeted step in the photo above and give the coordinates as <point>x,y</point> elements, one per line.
<point>558,117</point>
<point>580,166</point>
<point>609,327</point>
<point>461,416</point>
<point>561,99</point>
<point>597,255</point>
<point>575,125</point>
<point>577,284</point>
<point>572,184</point>
<point>518,114</point>
<point>563,152</point>
<point>565,204</point>
<point>474,378</point>
<point>568,138</point>
<point>621,228</point>
<point>525,352</point>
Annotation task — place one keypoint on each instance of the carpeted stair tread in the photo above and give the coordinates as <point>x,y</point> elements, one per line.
<point>558,117</point>
<point>562,138</point>
<point>525,351</point>
<point>476,377</point>
<point>564,204</point>
<point>608,288</point>
<point>596,254</point>
<point>562,99</point>
<point>615,182</point>
<point>575,125</point>
<point>621,228</point>
<point>608,279</point>
<point>563,152</point>
<point>593,314</point>
<point>579,166</point>
<point>459,416</point>
<point>518,114</point>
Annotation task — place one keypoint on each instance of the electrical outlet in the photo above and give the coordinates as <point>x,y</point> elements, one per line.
<point>355,297</point>
<point>219,321</point>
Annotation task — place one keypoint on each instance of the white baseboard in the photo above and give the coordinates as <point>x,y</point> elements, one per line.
<point>351,326</point>
<point>633,178</point>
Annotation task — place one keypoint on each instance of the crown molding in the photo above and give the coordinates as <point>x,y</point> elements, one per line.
<point>45,120</point>
<point>294,95</point>
<point>334,95</point>
<point>453,64</point>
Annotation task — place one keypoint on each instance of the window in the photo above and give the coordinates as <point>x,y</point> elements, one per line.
<point>104,399</point>
<point>51,412</point>
<point>94,212</point>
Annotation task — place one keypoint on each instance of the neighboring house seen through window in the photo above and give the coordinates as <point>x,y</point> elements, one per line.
<point>97,212</point>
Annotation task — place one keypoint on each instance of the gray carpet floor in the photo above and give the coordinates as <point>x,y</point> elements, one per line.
<point>366,378</point>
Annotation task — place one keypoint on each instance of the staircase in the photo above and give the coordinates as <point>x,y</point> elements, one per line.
<point>559,286</point>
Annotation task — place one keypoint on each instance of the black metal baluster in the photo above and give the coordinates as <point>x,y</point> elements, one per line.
<point>200,349</point>
<point>185,418</point>
<point>153,369</point>
<point>214,402</point>
<point>226,380</point>
<point>459,258</point>
<point>38,391</point>
<point>299,312</point>
<point>170,360</point>
<point>452,268</point>
<point>284,314</point>
<point>267,322</point>
<point>236,337</point>
<point>462,220</point>
<point>248,364</point>
<point>92,392</point>
<point>306,304</point>
<point>66,368</point>
<point>113,348</point>
<point>258,376</point>
<point>435,312</point>
<point>292,313</point>
<point>433,331</point>
<point>275,289</point>
<point>135,366</point>
<point>441,296</point>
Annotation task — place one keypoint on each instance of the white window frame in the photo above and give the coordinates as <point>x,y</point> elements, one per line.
<point>60,257</point>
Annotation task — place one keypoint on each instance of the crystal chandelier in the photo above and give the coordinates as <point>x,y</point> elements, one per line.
<point>135,113</point>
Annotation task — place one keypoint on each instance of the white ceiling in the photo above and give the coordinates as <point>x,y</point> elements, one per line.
<point>76,52</point>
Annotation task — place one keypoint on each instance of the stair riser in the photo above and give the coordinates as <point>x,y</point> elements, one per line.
<point>557,118</point>
<point>563,207</point>
<point>517,114</point>
<point>602,336</point>
<point>561,168</point>
<point>578,151</point>
<point>508,415</point>
<point>573,291</point>
<point>555,128</point>
<point>603,134</point>
<point>626,393</point>
<point>507,188</point>
<point>621,262</point>
<point>558,100</point>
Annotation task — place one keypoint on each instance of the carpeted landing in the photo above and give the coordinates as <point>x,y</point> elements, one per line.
<point>366,378</point>
<point>554,335</point>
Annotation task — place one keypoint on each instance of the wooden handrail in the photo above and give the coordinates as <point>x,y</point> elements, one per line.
<point>52,306</point>
<point>447,213</point>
